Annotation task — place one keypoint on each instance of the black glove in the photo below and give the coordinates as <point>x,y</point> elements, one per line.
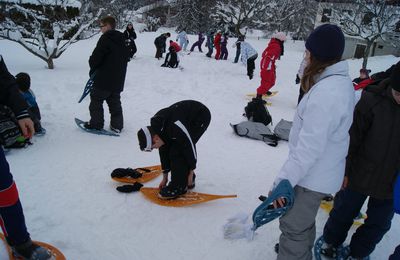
<point>128,172</point>
<point>297,79</point>
<point>130,188</point>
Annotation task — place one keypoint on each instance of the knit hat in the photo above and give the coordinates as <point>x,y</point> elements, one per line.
<point>23,81</point>
<point>280,36</point>
<point>326,42</point>
<point>145,138</point>
<point>395,77</point>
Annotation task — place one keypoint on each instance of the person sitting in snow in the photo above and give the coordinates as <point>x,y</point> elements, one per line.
<point>273,52</point>
<point>175,130</point>
<point>172,59</point>
<point>24,83</point>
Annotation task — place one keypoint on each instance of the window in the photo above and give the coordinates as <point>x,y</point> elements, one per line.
<point>326,15</point>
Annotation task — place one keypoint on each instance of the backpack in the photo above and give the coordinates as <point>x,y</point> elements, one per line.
<point>257,112</point>
<point>10,133</point>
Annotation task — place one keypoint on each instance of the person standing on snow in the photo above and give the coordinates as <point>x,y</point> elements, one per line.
<point>198,43</point>
<point>318,140</point>
<point>183,39</point>
<point>160,43</point>
<point>11,212</point>
<point>210,43</point>
<point>273,52</point>
<point>130,36</point>
<point>108,61</point>
<point>249,55</point>
<point>372,167</point>
<point>217,44</point>
<point>237,46</point>
<point>224,50</point>
<point>175,130</point>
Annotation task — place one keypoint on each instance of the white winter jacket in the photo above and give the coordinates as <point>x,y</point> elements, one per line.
<point>246,51</point>
<point>319,138</point>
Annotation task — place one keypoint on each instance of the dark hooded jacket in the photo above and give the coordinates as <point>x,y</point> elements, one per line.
<point>373,161</point>
<point>178,127</point>
<point>9,93</point>
<point>109,60</point>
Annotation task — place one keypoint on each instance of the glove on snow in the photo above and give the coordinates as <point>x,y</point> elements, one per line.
<point>128,172</point>
<point>130,188</point>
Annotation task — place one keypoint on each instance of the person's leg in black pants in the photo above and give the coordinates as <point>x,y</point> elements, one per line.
<point>97,97</point>
<point>115,108</point>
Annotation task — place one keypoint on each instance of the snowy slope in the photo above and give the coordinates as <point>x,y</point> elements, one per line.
<point>64,178</point>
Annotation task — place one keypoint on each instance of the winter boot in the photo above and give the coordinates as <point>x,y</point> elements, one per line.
<point>171,192</point>
<point>87,125</point>
<point>191,187</point>
<point>31,251</point>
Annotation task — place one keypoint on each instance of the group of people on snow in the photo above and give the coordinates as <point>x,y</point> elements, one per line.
<point>335,146</point>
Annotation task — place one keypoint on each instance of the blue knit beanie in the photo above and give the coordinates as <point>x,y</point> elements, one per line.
<point>326,42</point>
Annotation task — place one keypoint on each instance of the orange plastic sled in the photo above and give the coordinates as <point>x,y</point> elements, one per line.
<point>154,172</point>
<point>54,251</point>
<point>188,199</point>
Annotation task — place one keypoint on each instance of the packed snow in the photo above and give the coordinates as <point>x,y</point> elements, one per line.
<point>64,182</point>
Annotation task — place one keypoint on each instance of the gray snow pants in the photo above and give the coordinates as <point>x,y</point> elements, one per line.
<point>298,226</point>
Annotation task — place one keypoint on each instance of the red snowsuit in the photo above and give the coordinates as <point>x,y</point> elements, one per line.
<point>217,44</point>
<point>267,66</point>
<point>175,45</point>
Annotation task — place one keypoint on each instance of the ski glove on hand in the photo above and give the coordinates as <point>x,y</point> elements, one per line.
<point>130,188</point>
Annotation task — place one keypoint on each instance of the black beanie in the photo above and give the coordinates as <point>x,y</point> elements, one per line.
<point>395,77</point>
<point>326,42</point>
<point>145,138</point>
<point>23,81</point>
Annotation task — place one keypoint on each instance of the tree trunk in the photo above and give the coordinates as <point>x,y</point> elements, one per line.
<point>366,54</point>
<point>50,63</point>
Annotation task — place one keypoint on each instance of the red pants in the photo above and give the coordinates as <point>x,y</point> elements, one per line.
<point>218,53</point>
<point>267,81</point>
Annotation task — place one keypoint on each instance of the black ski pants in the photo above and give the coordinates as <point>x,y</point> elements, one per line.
<point>347,205</point>
<point>113,99</point>
<point>179,166</point>
<point>251,65</point>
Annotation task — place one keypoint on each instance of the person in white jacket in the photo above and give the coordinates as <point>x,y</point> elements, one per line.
<point>318,140</point>
<point>183,39</point>
<point>249,55</point>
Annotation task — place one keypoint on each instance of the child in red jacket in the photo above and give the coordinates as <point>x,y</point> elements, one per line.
<point>273,52</point>
<point>217,44</point>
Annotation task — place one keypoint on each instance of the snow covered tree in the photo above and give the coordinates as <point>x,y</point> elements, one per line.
<point>193,15</point>
<point>369,20</point>
<point>46,29</point>
<point>304,18</point>
<point>239,13</point>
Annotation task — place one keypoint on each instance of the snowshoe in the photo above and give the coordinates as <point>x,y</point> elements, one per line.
<point>115,130</point>
<point>31,251</point>
<point>171,192</point>
<point>128,172</point>
<point>321,248</point>
<point>344,254</point>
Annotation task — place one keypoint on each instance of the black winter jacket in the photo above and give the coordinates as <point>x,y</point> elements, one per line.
<point>9,93</point>
<point>373,160</point>
<point>178,127</point>
<point>109,60</point>
<point>160,42</point>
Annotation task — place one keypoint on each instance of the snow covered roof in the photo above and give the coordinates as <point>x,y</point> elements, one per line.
<point>70,3</point>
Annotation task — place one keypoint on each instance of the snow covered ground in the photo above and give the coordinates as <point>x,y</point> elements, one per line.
<point>64,179</point>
